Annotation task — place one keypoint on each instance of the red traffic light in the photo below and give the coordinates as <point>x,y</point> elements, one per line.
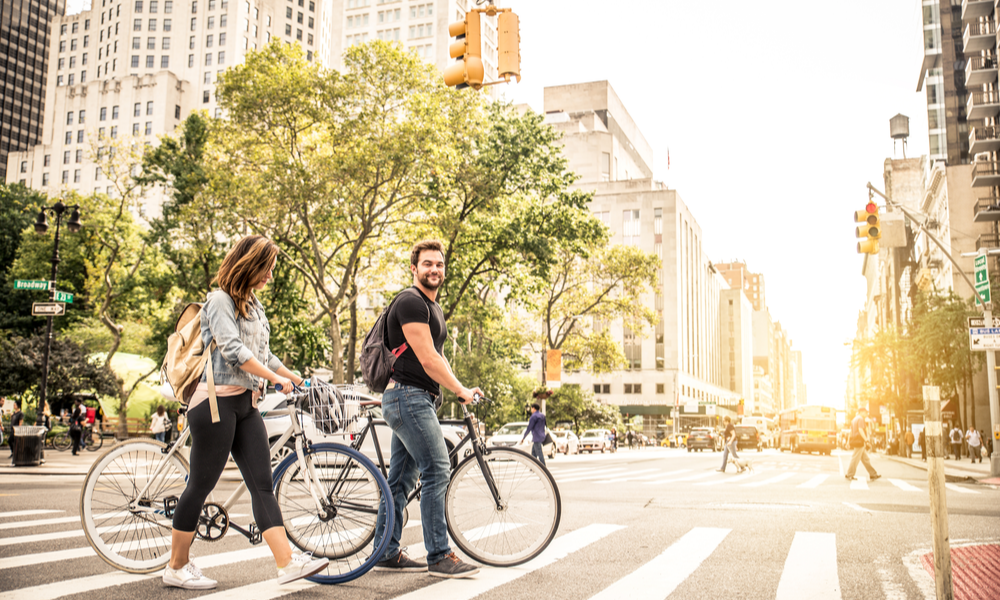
<point>872,208</point>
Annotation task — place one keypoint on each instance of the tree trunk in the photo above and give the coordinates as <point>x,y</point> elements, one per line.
<point>337,344</point>
<point>352,339</point>
<point>122,430</point>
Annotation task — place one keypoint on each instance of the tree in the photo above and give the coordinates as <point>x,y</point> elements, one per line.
<point>885,357</point>
<point>327,164</point>
<point>570,403</point>
<point>18,208</point>
<point>70,370</point>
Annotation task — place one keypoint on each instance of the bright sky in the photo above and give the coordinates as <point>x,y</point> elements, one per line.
<point>775,115</point>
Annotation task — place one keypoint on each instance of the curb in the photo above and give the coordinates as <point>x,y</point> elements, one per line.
<point>949,477</point>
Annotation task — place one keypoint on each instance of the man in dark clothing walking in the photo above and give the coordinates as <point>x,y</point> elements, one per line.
<point>536,427</point>
<point>923,446</point>
<point>16,420</point>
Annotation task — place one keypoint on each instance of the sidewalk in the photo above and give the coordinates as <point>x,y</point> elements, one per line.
<point>958,469</point>
<point>64,463</point>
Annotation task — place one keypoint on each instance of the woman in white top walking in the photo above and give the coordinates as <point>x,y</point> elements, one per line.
<point>158,423</point>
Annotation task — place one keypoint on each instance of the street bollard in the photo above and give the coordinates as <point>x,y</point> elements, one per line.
<point>934,439</point>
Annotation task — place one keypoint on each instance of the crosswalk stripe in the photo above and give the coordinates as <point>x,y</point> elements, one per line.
<point>904,486</point>
<point>658,578</point>
<point>27,513</point>
<point>811,565</point>
<point>488,579</point>
<point>631,476</point>
<point>561,472</point>
<point>775,479</point>
<point>62,535</point>
<point>591,476</point>
<point>51,591</point>
<point>859,484</point>
<point>39,523</point>
<point>687,478</point>
<point>26,560</point>
<point>956,488</point>
<point>814,482</point>
<point>736,479</point>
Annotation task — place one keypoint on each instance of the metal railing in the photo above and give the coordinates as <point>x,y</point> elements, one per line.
<point>982,134</point>
<point>988,204</point>
<point>988,240</point>
<point>983,98</point>
<point>980,63</point>
<point>982,28</point>
<point>985,168</point>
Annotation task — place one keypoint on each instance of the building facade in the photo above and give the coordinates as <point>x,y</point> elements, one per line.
<point>739,277</point>
<point>26,30</point>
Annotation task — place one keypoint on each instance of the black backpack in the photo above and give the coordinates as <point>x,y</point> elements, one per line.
<point>377,360</point>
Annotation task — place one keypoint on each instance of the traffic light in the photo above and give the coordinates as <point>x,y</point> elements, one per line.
<point>467,47</point>
<point>508,46</point>
<point>870,229</point>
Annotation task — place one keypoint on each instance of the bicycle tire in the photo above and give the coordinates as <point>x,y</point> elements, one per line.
<point>62,441</point>
<point>526,524</point>
<point>94,441</point>
<point>130,541</point>
<point>360,495</point>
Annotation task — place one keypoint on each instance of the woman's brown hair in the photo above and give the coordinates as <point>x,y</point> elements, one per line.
<point>244,266</point>
<point>160,410</point>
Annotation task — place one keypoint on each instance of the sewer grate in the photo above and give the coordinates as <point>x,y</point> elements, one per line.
<point>975,571</point>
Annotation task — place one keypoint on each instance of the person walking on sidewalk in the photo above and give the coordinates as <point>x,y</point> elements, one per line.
<point>923,445</point>
<point>956,441</point>
<point>224,419</point>
<point>729,437</point>
<point>16,420</point>
<point>908,440</point>
<point>416,330</point>
<point>858,441</point>
<point>76,424</point>
<point>158,423</point>
<point>536,427</point>
<point>974,440</point>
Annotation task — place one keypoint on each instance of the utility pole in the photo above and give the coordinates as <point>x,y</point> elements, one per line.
<point>934,438</point>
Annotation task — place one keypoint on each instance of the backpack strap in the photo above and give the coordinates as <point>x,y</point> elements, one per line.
<point>213,401</point>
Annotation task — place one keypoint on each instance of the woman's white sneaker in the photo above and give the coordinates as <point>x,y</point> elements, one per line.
<point>188,577</point>
<point>300,567</point>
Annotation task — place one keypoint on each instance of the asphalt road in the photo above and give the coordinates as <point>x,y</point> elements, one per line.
<point>655,523</point>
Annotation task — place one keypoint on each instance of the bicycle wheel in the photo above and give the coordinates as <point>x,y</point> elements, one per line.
<point>137,541</point>
<point>528,516</point>
<point>354,495</point>
<point>94,440</point>
<point>61,441</point>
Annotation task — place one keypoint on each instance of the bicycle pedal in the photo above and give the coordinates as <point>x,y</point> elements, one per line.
<point>169,505</point>
<point>255,536</point>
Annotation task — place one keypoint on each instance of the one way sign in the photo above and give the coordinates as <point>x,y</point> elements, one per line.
<point>48,309</point>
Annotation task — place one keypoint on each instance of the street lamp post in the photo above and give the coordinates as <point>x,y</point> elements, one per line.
<point>41,227</point>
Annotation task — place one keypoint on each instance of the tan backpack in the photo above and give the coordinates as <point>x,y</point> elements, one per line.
<point>186,359</point>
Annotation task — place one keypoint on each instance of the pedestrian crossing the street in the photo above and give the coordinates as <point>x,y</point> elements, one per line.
<point>810,565</point>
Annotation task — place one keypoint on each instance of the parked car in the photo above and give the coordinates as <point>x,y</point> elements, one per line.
<point>593,440</point>
<point>566,442</point>
<point>512,433</point>
<point>747,436</point>
<point>702,438</point>
<point>277,425</point>
<point>674,440</point>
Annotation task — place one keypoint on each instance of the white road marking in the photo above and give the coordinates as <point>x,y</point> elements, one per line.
<point>39,522</point>
<point>815,482</point>
<point>26,560</point>
<point>736,479</point>
<point>61,535</point>
<point>617,471</point>
<point>956,488</point>
<point>630,476</point>
<point>688,478</point>
<point>775,479</point>
<point>892,589</point>
<point>811,568</point>
<point>27,513</point>
<point>904,486</point>
<point>489,578</point>
<point>859,484</point>
<point>658,578</point>
<point>856,507</point>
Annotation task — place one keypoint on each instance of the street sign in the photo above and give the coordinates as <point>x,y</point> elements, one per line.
<point>982,278</point>
<point>31,284</point>
<point>64,297</point>
<point>978,322</point>
<point>48,309</point>
<point>984,338</point>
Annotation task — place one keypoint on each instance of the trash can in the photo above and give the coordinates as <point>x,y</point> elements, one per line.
<point>27,445</point>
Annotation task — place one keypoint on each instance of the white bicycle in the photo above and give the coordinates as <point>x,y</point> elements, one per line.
<point>330,495</point>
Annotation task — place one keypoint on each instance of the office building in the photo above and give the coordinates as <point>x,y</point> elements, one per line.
<point>26,29</point>
<point>739,277</point>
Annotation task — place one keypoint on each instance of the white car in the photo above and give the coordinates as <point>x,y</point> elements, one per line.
<point>593,440</point>
<point>510,435</point>
<point>277,425</point>
<point>566,442</point>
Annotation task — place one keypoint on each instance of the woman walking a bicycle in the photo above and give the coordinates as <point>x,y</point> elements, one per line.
<point>235,330</point>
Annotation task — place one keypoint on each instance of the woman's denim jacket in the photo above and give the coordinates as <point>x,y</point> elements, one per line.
<point>237,340</point>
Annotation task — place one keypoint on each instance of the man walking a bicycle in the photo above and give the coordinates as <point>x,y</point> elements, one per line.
<point>416,332</point>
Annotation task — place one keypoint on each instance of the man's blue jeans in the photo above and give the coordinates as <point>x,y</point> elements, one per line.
<point>730,447</point>
<point>537,452</point>
<point>418,449</point>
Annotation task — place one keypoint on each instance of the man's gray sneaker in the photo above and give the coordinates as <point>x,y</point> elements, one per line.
<point>452,567</point>
<point>401,563</point>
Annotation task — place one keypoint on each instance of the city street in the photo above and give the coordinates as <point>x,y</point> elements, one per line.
<point>651,523</point>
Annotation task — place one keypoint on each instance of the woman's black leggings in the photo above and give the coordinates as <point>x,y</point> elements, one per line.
<point>240,431</point>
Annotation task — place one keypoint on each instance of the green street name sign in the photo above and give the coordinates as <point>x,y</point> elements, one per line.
<point>982,279</point>
<point>64,297</point>
<point>31,284</point>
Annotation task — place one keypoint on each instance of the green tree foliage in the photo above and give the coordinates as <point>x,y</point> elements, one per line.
<point>508,390</point>
<point>70,370</point>
<point>18,208</point>
<point>570,403</point>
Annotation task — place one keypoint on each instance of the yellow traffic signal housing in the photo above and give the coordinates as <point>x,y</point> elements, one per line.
<point>468,71</point>
<point>508,46</point>
<point>870,229</point>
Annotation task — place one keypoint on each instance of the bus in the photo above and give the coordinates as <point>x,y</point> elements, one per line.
<point>808,428</point>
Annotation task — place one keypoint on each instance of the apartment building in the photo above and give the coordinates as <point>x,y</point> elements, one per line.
<point>739,277</point>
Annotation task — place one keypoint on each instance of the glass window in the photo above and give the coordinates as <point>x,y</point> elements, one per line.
<point>86,40</point>
<point>194,7</point>
<point>138,6</point>
<point>298,18</point>
<point>168,6</point>
<point>194,23</point>
<point>165,44</point>
<point>136,43</point>
<point>211,23</point>
<point>135,129</point>
<point>79,156</point>
<point>79,137</point>
<point>311,22</point>
<point>630,227</point>
<point>149,107</point>
<point>135,62</point>
<point>69,117</point>
<point>45,179</point>
<point>114,131</point>
<point>153,6</point>
<point>151,43</point>
<point>149,128</point>
<point>221,58</point>
<point>222,39</point>
<point>150,62</point>
<point>208,78</point>
<point>137,25</point>
<point>165,61</point>
<point>223,19</point>
<point>208,59</point>
<point>205,97</point>
<point>82,117</point>
<point>167,25</point>
<point>191,43</point>
<point>137,109</point>
<point>152,25</point>
<point>208,40</point>
<point>190,60</point>
<point>63,29</point>
<point>298,36</point>
<point>177,111</point>
<point>62,45</point>
<point>47,160</point>
<point>66,157</point>
<point>65,176</point>
<point>114,112</point>
<point>72,44</point>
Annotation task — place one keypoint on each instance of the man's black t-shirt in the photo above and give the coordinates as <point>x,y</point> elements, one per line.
<point>730,429</point>
<point>411,308</point>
